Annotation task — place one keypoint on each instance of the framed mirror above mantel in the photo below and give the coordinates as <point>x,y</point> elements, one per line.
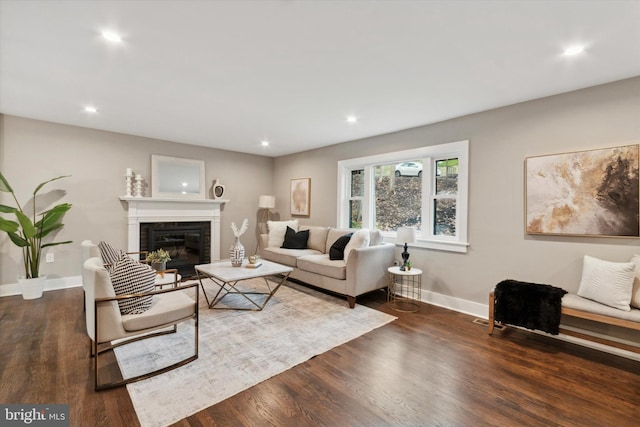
<point>178,178</point>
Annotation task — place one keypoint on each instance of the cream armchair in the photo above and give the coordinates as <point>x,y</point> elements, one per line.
<point>105,323</point>
<point>90,249</point>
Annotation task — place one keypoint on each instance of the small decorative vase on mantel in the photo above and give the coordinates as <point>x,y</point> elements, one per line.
<point>236,253</point>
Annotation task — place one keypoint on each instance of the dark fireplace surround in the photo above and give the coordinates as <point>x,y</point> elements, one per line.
<point>188,243</point>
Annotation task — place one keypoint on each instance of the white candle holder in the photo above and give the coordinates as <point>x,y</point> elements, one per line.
<point>138,187</point>
<point>129,183</point>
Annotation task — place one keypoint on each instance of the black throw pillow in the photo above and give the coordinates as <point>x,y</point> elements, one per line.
<point>293,240</point>
<point>336,251</point>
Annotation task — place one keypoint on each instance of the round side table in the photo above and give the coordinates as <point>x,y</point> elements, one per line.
<point>405,288</point>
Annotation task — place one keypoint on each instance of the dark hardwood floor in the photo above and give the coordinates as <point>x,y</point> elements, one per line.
<point>431,368</point>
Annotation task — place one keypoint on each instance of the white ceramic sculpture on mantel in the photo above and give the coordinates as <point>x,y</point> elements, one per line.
<point>138,187</point>
<point>217,189</point>
<point>129,182</point>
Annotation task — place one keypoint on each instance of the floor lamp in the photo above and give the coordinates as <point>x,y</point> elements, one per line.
<point>265,203</point>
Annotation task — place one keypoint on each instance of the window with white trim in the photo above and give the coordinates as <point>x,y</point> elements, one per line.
<point>425,188</point>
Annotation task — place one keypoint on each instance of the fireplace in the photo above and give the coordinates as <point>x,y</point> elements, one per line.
<point>188,243</point>
<point>185,228</point>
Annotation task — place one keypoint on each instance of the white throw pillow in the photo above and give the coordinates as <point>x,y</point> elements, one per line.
<point>277,229</point>
<point>376,237</point>
<point>608,283</point>
<point>360,239</point>
<point>635,293</point>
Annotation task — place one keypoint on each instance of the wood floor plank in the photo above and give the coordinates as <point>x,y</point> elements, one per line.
<point>433,367</point>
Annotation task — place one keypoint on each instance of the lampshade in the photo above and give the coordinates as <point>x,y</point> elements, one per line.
<point>406,235</point>
<point>267,202</point>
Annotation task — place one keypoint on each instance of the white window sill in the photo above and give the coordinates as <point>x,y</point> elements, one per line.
<point>440,245</point>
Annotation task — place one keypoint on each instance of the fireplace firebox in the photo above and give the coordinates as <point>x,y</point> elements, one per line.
<point>188,243</point>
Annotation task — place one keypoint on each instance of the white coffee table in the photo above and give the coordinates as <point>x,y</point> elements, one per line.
<point>226,277</point>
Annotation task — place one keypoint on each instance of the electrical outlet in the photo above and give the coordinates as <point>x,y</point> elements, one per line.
<point>50,257</point>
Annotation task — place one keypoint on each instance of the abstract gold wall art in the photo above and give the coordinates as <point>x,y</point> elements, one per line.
<point>585,193</point>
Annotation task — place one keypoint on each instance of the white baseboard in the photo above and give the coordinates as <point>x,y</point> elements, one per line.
<point>51,285</point>
<point>463,306</point>
<point>482,311</point>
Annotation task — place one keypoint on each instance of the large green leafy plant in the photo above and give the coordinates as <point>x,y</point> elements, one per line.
<point>29,229</point>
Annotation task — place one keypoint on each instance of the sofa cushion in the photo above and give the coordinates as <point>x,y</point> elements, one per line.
<point>360,239</point>
<point>635,293</point>
<point>295,240</point>
<point>166,308</point>
<point>277,230</point>
<point>322,265</point>
<point>608,283</point>
<point>336,251</point>
<point>131,277</point>
<point>286,256</point>
<point>583,304</point>
<point>317,237</point>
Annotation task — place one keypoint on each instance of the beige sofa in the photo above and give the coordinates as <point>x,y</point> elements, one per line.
<point>363,270</point>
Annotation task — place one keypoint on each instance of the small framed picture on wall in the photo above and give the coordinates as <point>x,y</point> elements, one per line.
<point>301,196</point>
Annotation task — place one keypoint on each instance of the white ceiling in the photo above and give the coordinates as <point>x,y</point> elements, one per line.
<point>228,74</point>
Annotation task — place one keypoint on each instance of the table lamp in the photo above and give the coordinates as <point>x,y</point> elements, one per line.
<point>405,235</point>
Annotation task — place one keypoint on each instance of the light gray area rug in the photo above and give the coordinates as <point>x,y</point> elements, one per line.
<point>239,349</point>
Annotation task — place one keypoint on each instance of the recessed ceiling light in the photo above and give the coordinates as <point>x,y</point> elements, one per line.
<point>264,143</point>
<point>112,37</point>
<point>352,119</point>
<point>574,50</point>
<point>90,109</point>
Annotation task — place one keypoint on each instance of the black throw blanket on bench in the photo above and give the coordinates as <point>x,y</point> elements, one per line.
<point>530,305</point>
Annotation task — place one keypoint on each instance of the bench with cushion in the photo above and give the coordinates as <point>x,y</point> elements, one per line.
<point>609,293</point>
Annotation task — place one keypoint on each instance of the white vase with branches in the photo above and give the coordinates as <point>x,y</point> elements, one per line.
<point>236,252</point>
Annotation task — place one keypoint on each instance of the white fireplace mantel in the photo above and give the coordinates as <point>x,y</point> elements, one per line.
<point>155,209</point>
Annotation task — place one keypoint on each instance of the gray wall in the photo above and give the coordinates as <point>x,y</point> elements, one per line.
<point>33,151</point>
<point>603,116</point>
<point>500,140</point>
